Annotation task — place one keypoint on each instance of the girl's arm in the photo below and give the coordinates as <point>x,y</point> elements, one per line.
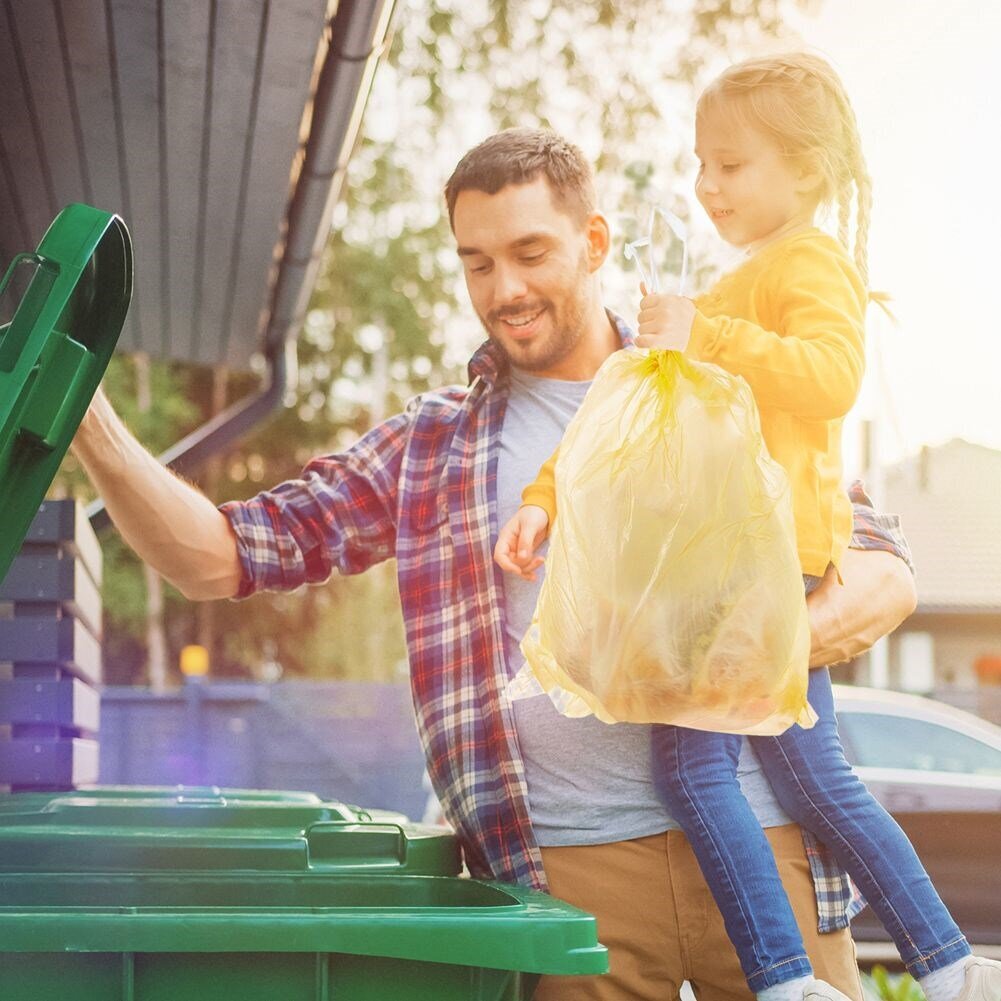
<point>812,363</point>
<point>518,540</point>
<point>542,493</point>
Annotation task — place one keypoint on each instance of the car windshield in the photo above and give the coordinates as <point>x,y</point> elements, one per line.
<point>881,741</point>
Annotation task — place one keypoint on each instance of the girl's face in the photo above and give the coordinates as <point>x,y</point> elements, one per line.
<point>750,191</point>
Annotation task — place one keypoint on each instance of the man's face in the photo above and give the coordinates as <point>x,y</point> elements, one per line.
<point>527,270</point>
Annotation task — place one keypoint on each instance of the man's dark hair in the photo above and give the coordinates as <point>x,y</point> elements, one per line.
<point>518,156</point>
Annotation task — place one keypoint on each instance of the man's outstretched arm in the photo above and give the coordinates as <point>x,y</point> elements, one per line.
<point>172,526</point>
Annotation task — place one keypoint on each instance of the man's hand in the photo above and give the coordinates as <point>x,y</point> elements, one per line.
<point>665,321</point>
<point>877,595</point>
<point>519,539</point>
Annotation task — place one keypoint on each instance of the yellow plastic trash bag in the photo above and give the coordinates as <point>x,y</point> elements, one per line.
<point>673,591</point>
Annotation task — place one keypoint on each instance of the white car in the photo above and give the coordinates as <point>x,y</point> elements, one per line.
<point>916,754</point>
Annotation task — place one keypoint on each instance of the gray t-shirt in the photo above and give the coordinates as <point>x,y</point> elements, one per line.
<point>588,782</point>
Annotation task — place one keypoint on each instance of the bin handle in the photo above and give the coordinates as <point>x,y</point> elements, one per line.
<point>50,392</point>
<point>363,832</point>
<point>19,259</point>
<point>15,337</point>
<point>199,795</point>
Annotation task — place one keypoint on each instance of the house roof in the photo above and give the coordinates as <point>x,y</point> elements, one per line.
<point>219,131</point>
<point>949,501</point>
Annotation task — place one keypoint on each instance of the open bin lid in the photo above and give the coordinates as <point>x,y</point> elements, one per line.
<point>53,353</point>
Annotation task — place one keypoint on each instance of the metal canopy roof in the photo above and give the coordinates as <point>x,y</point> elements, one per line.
<point>219,129</point>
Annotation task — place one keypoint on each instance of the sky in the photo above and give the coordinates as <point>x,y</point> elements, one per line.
<point>925,82</point>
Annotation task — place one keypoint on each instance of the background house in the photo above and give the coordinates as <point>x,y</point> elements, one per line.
<point>949,501</point>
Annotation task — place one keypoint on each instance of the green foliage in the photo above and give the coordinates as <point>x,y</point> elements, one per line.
<point>887,987</point>
<point>388,317</point>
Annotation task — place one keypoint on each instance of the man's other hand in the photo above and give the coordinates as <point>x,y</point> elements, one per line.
<point>846,620</point>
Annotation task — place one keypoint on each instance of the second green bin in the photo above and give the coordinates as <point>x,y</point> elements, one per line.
<point>155,828</point>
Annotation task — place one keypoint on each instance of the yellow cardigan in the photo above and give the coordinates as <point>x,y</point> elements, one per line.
<point>791,321</point>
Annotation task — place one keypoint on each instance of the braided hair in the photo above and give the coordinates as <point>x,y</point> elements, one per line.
<point>800,102</point>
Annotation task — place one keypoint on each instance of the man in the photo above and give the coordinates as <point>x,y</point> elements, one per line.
<point>531,794</point>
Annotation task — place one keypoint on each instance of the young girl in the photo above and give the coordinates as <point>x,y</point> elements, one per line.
<point>777,139</point>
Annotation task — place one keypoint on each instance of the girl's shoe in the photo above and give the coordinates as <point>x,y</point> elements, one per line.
<point>820,990</point>
<point>983,980</point>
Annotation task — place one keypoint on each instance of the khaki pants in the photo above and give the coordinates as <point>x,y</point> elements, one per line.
<point>661,925</point>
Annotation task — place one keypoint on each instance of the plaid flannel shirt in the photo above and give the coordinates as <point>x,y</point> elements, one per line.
<point>421,487</point>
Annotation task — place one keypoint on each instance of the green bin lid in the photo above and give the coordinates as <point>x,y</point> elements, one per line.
<point>359,937</point>
<point>22,801</point>
<point>53,353</point>
<point>185,829</point>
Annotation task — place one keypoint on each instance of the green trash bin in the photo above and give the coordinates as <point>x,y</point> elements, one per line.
<point>126,897</point>
<point>142,829</point>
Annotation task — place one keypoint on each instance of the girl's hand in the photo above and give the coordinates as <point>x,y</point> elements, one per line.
<point>665,321</point>
<point>518,540</point>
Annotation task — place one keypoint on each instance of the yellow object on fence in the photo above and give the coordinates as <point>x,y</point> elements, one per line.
<point>673,591</point>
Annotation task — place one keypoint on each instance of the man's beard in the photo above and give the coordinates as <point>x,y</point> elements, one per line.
<point>566,334</point>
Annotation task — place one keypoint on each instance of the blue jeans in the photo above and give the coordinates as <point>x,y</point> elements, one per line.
<point>696,775</point>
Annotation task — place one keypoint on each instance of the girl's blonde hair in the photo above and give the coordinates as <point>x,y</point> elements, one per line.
<point>800,102</point>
